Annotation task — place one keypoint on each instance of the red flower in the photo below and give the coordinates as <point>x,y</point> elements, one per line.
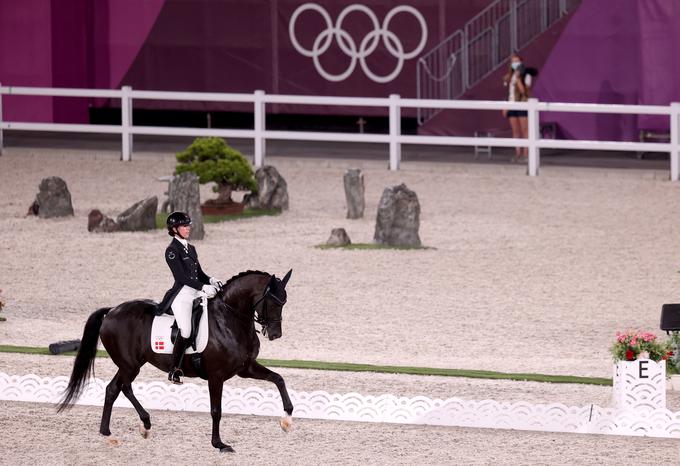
<point>630,356</point>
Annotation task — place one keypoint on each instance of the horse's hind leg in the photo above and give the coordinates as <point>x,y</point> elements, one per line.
<point>143,415</point>
<point>112,392</point>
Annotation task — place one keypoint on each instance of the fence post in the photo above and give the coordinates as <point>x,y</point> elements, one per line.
<point>395,132</point>
<point>675,141</point>
<point>533,138</point>
<point>260,116</point>
<point>1,141</point>
<point>126,123</point>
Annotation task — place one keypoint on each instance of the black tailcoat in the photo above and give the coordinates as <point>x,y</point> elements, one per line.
<point>185,269</point>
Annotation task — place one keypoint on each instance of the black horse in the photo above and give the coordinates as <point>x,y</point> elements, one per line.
<point>232,347</point>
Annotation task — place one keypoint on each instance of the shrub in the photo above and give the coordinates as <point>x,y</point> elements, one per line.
<point>213,160</point>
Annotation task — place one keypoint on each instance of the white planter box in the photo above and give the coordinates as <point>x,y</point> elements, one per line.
<point>674,382</point>
<point>640,384</point>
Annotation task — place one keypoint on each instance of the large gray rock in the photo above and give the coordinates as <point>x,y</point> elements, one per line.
<point>272,190</point>
<point>184,195</point>
<point>141,216</point>
<point>398,217</point>
<point>354,192</point>
<point>97,222</point>
<point>339,237</point>
<point>54,199</point>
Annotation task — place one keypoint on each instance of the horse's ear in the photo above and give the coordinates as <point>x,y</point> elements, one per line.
<point>286,278</point>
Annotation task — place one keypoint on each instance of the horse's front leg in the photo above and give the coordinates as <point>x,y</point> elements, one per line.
<point>255,370</point>
<point>215,388</point>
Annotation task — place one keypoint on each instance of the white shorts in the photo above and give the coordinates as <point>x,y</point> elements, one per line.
<point>181,307</point>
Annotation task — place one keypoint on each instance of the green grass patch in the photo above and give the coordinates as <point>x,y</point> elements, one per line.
<point>247,213</point>
<point>352,367</point>
<point>371,246</point>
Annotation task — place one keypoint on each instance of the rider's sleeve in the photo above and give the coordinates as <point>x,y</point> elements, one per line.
<point>201,274</point>
<point>180,274</point>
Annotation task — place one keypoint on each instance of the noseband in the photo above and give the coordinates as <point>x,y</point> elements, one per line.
<point>262,317</point>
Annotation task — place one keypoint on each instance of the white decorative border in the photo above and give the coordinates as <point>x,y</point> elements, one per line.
<point>553,417</point>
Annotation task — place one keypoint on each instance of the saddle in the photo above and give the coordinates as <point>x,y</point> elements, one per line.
<point>196,313</point>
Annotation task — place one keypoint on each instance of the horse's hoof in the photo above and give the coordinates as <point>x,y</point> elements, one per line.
<point>286,423</point>
<point>226,449</point>
<point>146,433</point>
<point>113,442</point>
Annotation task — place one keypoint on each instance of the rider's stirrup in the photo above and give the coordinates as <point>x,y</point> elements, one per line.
<point>174,376</point>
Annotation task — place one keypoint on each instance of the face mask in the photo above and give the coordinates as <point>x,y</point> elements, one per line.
<point>516,64</point>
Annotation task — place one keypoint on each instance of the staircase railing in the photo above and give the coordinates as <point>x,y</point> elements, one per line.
<point>473,52</point>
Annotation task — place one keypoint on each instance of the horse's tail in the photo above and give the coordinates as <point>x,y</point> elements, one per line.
<point>83,366</point>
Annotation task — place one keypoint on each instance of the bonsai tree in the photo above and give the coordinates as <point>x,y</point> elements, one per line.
<point>213,160</point>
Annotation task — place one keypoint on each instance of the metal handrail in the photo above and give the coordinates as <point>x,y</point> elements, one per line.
<point>476,67</point>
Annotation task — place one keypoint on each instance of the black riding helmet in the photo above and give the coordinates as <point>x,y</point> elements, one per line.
<point>177,219</point>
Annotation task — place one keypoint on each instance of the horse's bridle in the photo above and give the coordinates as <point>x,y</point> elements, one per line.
<point>262,317</point>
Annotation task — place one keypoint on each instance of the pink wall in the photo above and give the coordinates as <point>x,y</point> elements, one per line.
<point>25,56</point>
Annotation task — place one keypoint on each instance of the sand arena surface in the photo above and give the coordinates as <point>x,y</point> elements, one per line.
<point>59,439</point>
<point>527,275</point>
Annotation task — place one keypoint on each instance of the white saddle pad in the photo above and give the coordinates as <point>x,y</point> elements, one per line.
<point>161,330</point>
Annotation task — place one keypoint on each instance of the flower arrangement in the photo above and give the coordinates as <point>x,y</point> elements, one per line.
<point>633,345</point>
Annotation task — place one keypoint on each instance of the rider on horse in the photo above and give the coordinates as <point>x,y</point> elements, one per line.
<point>190,280</point>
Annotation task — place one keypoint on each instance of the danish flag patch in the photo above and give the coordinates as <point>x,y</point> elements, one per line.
<point>159,344</point>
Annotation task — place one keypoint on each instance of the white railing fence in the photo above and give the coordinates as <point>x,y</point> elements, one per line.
<point>393,105</point>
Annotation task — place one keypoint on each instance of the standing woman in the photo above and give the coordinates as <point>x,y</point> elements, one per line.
<point>518,82</point>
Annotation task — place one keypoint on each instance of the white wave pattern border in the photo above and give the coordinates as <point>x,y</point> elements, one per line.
<point>456,412</point>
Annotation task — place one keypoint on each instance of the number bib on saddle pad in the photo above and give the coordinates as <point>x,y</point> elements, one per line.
<point>161,334</point>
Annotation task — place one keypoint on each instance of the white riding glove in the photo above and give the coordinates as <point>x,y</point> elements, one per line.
<point>216,283</point>
<point>209,290</point>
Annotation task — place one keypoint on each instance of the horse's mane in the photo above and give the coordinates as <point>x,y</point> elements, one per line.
<point>243,274</point>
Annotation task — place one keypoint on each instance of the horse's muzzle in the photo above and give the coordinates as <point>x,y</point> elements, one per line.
<point>274,333</point>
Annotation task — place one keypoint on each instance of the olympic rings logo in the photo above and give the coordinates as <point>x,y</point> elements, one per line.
<point>367,45</point>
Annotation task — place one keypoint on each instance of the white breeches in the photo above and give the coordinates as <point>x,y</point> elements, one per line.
<point>181,307</point>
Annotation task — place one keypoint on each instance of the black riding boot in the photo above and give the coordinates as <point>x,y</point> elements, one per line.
<point>177,356</point>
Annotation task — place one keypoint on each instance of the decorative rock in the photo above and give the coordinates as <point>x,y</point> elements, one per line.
<point>272,189</point>
<point>97,222</point>
<point>339,237</point>
<point>398,217</point>
<point>140,217</point>
<point>33,209</point>
<point>354,192</point>
<point>54,199</point>
<point>184,195</point>
<point>251,200</point>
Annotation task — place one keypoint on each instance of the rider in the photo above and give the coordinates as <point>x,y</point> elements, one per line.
<point>190,280</point>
